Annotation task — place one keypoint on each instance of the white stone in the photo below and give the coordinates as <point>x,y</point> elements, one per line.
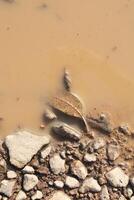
<point>129,192</point>
<point>45,152</point>
<point>72,182</point>
<point>132,198</point>
<point>11,174</point>
<point>59,184</point>
<point>90,157</point>
<point>6,187</point>
<point>79,169</point>
<point>23,146</point>
<point>98,143</point>
<point>104,193</point>
<point>122,198</point>
<point>29,182</point>
<point>59,195</point>
<point>21,195</point>
<point>117,178</point>
<point>57,164</point>
<point>90,185</point>
<point>38,195</point>
<point>28,170</point>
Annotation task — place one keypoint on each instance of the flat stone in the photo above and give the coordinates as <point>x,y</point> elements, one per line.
<point>113,151</point>
<point>23,146</point>
<point>59,195</point>
<point>21,195</point>
<point>11,174</point>
<point>28,170</point>
<point>57,164</point>
<point>117,178</point>
<point>29,182</point>
<point>78,169</point>
<point>66,131</point>
<point>38,195</point>
<point>45,152</point>
<point>104,193</point>
<point>90,185</point>
<point>59,184</point>
<point>6,187</point>
<point>72,182</point>
<point>90,157</point>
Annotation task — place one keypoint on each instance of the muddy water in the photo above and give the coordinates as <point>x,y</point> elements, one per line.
<point>94,39</point>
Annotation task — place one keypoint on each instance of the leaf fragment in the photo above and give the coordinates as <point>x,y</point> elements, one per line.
<point>69,104</point>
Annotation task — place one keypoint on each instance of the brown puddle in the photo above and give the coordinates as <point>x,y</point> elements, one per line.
<point>39,38</point>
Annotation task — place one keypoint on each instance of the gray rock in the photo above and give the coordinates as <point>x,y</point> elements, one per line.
<point>59,184</point>
<point>113,152</point>
<point>98,143</point>
<point>67,131</point>
<point>104,193</point>
<point>38,195</point>
<point>57,164</point>
<point>11,174</point>
<point>59,195</point>
<point>45,152</point>
<point>29,182</point>
<point>117,178</point>
<point>23,146</point>
<point>72,182</point>
<point>90,185</point>
<point>90,157</point>
<point>21,195</point>
<point>78,169</point>
<point>6,187</point>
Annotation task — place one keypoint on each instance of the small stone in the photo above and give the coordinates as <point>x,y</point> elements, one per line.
<point>98,143</point>
<point>113,152</point>
<point>132,181</point>
<point>59,195</point>
<point>59,184</point>
<point>57,164</point>
<point>21,195</point>
<point>50,115</point>
<point>79,169</point>
<point>124,128</point>
<point>23,146</point>
<point>6,187</point>
<point>45,152</point>
<point>90,185</point>
<point>3,165</point>
<point>63,154</point>
<point>72,182</point>
<point>89,157</point>
<point>104,193</point>
<point>129,192</point>
<point>38,195</point>
<point>42,170</point>
<point>67,131</point>
<point>29,182</point>
<point>132,198</point>
<point>11,174</point>
<point>117,178</point>
<point>84,142</point>
<point>28,169</point>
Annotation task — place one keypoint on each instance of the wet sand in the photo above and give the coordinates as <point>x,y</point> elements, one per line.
<point>39,38</point>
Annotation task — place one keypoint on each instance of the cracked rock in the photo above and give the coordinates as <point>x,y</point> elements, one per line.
<point>23,146</point>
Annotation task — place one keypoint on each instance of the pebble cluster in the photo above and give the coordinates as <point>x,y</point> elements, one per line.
<point>77,168</point>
